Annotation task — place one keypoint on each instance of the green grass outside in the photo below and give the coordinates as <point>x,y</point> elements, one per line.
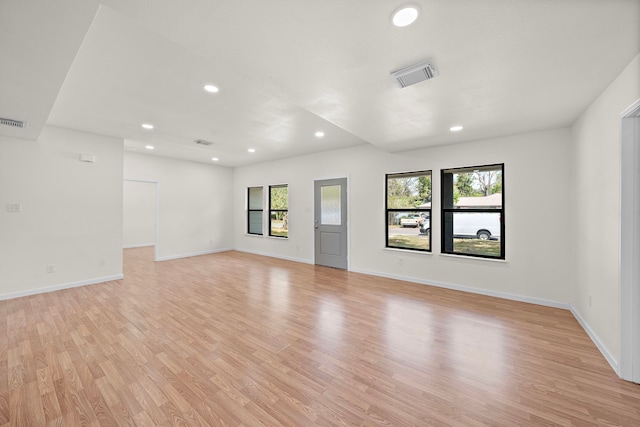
<point>278,229</point>
<point>279,232</point>
<point>477,247</point>
<point>410,242</point>
<point>461,246</point>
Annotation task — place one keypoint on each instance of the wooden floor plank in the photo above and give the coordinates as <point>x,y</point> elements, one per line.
<point>234,339</point>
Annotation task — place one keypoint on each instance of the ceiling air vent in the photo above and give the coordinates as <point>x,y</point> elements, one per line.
<point>13,123</point>
<point>203,142</point>
<point>415,74</point>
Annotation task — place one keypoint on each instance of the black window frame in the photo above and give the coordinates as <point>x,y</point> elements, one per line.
<point>249,211</point>
<point>447,196</point>
<point>271,210</point>
<point>388,210</point>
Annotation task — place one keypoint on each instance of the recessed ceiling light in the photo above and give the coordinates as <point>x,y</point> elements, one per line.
<point>148,126</point>
<point>456,128</point>
<point>149,147</point>
<point>211,88</point>
<point>319,134</point>
<point>215,159</point>
<point>251,150</point>
<point>405,15</point>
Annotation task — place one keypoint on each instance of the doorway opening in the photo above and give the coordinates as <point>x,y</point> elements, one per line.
<point>140,216</point>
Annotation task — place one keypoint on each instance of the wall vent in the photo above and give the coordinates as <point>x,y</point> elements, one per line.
<point>13,123</point>
<point>414,74</point>
<point>203,142</point>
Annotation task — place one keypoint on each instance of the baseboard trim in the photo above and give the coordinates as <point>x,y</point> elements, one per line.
<point>213,251</point>
<point>478,291</point>
<point>143,245</point>
<point>270,255</point>
<point>60,287</point>
<point>594,337</point>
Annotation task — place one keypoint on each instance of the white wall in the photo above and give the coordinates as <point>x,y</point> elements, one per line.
<point>139,214</point>
<point>537,193</point>
<point>195,203</point>
<point>596,136</point>
<point>71,211</point>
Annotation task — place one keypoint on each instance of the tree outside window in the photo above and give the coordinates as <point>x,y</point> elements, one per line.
<point>279,210</point>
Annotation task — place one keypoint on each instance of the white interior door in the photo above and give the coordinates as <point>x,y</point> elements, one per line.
<point>330,222</point>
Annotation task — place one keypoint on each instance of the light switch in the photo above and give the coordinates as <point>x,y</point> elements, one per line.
<point>14,207</point>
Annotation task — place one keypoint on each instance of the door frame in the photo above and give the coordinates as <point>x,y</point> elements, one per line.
<point>313,215</point>
<point>629,261</point>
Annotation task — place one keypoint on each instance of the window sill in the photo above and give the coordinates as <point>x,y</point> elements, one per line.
<point>473,257</point>
<point>262,236</point>
<point>408,251</point>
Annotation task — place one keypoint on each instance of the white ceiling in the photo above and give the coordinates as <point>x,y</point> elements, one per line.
<point>286,68</point>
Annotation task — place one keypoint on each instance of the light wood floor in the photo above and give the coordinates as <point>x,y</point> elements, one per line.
<point>236,339</point>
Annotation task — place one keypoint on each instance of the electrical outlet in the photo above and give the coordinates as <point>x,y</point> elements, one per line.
<point>400,261</point>
<point>14,207</point>
<point>51,268</point>
<point>298,248</point>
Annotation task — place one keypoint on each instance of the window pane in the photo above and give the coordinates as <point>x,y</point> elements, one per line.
<point>477,188</point>
<point>330,207</point>
<point>408,191</point>
<point>279,197</point>
<point>279,224</point>
<point>409,230</point>
<point>255,198</point>
<point>475,233</point>
<point>255,222</point>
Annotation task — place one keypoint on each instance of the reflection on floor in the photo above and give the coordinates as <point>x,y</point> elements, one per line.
<point>239,339</point>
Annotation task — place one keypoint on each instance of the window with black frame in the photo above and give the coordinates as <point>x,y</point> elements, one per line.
<point>279,210</point>
<point>408,210</point>
<point>255,210</point>
<point>473,211</point>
